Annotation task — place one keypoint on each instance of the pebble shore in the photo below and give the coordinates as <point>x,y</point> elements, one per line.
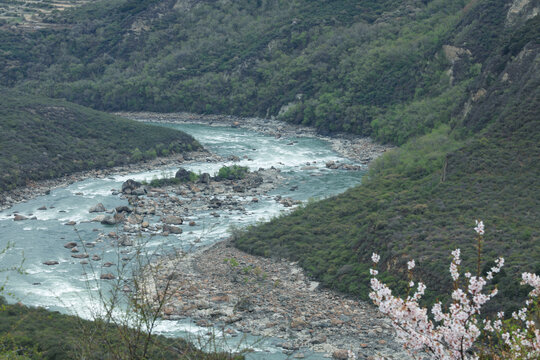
<point>223,286</point>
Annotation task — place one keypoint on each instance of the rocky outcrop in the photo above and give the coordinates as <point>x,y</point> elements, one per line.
<point>182,175</point>
<point>129,186</point>
<point>521,11</point>
<point>97,208</point>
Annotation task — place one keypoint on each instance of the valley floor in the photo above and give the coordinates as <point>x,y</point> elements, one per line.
<point>273,298</point>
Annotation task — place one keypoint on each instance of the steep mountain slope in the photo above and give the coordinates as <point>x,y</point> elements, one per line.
<point>421,200</point>
<point>366,67</point>
<point>42,138</point>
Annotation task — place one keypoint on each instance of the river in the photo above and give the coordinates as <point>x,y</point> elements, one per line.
<point>64,287</point>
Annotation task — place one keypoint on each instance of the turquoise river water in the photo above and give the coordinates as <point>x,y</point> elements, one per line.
<point>64,287</point>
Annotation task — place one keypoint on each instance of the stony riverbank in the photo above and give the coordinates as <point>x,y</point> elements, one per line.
<point>43,187</point>
<point>222,286</point>
<point>353,147</point>
<point>176,204</point>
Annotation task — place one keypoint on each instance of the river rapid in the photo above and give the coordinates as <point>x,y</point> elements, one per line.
<point>65,286</point>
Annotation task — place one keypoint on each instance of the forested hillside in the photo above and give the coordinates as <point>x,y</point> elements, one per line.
<point>389,69</point>
<point>420,201</point>
<point>454,82</point>
<point>42,138</point>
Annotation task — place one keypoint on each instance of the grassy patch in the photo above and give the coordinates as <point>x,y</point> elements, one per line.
<point>42,138</point>
<point>35,333</point>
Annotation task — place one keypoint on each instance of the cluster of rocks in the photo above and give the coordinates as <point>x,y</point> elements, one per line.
<point>222,286</point>
<point>173,205</point>
<point>334,165</point>
<point>43,187</point>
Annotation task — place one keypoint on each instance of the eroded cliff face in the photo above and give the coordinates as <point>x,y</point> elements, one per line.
<point>521,11</point>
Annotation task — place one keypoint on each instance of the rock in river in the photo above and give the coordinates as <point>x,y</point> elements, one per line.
<point>182,174</point>
<point>70,245</point>
<point>204,178</point>
<point>108,220</point>
<point>172,229</point>
<point>129,185</point>
<point>97,208</point>
<point>172,220</point>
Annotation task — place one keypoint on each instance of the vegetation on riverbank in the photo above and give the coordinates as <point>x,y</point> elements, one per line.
<point>233,172</point>
<point>42,138</point>
<point>420,201</point>
<point>35,333</point>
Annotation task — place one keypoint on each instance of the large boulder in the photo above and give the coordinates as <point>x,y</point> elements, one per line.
<point>108,220</point>
<point>99,218</point>
<point>97,208</point>
<point>172,220</point>
<point>182,174</point>
<point>129,185</point>
<point>126,209</point>
<point>139,192</point>
<point>204,178</point>
<point>172,229</point>
<point>18,217</point>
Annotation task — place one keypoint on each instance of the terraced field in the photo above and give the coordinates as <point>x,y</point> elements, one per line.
<point>32,14</point>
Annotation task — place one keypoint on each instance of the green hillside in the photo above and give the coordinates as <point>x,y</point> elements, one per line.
<point>370,67</point>
<point>35,333</point>
<point>455,83</point>
<point>42,138</point>
<point>420,201</point>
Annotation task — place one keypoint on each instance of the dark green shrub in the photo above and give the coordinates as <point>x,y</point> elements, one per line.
<point>234,172</point>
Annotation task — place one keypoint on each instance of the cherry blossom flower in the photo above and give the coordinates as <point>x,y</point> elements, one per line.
<point>479,227</point>
<point>452,334</point>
